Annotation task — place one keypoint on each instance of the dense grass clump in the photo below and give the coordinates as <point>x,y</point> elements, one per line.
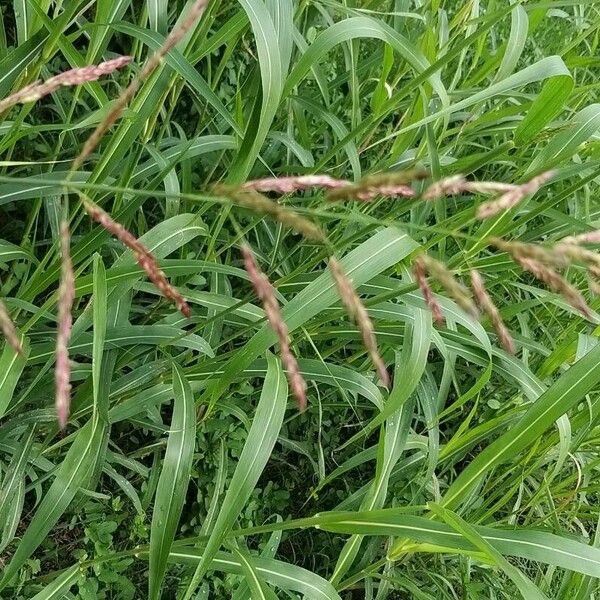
<point>299,299</point>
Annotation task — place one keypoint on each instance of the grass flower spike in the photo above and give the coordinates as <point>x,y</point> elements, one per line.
<point>453,287</point>
<point>543,263</point>
<point>359,313</point>
<point>557,283</point>
<point>265,292</point>
<point>66,297</point>
<point>394,184</point>
<point>420,272</point>
<point>151,64</point>
<point>592,237</point>
<point>8,329</point>
<point>144,257</point>
<point>288,185</point>
<point>458,184</point>
<point>253,200</point>
<point>514,196</point>
<point>78,76</point>
<point>486,304</point>
<point>511,194</point>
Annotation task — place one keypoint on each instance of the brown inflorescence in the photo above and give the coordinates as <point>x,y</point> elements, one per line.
<point>78,76</point>
<point>591,237</point>
<point>573,253</point>
<point>555,282</point>
<point>8,329</point>
<point>392,185</point>
<point>511,194</point>
<point>453,287</point>
<point>151,64</point>
<point>533,251</point>
<point>264,290</point>
<point>359,313</point>
<point>486,304</point>
<point>458,184</point>
<point>144,257</point>
<point>369,193</point>
<point>512,197</point>
<point>594,279</point>
<point>420,271</point>
<point>569,251</point>
<point>66,297</point>
<point>255,201</point>
<point>287,185</point>
<point>542,263</point>
<point>449,186</point>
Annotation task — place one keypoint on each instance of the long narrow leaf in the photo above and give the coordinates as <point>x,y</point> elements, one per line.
<point>258,447</point>
<point>569,389</point>
<point>173,481</point>
<point>74,473</point>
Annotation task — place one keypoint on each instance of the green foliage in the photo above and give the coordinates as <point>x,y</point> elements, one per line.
<point>186,471</point>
